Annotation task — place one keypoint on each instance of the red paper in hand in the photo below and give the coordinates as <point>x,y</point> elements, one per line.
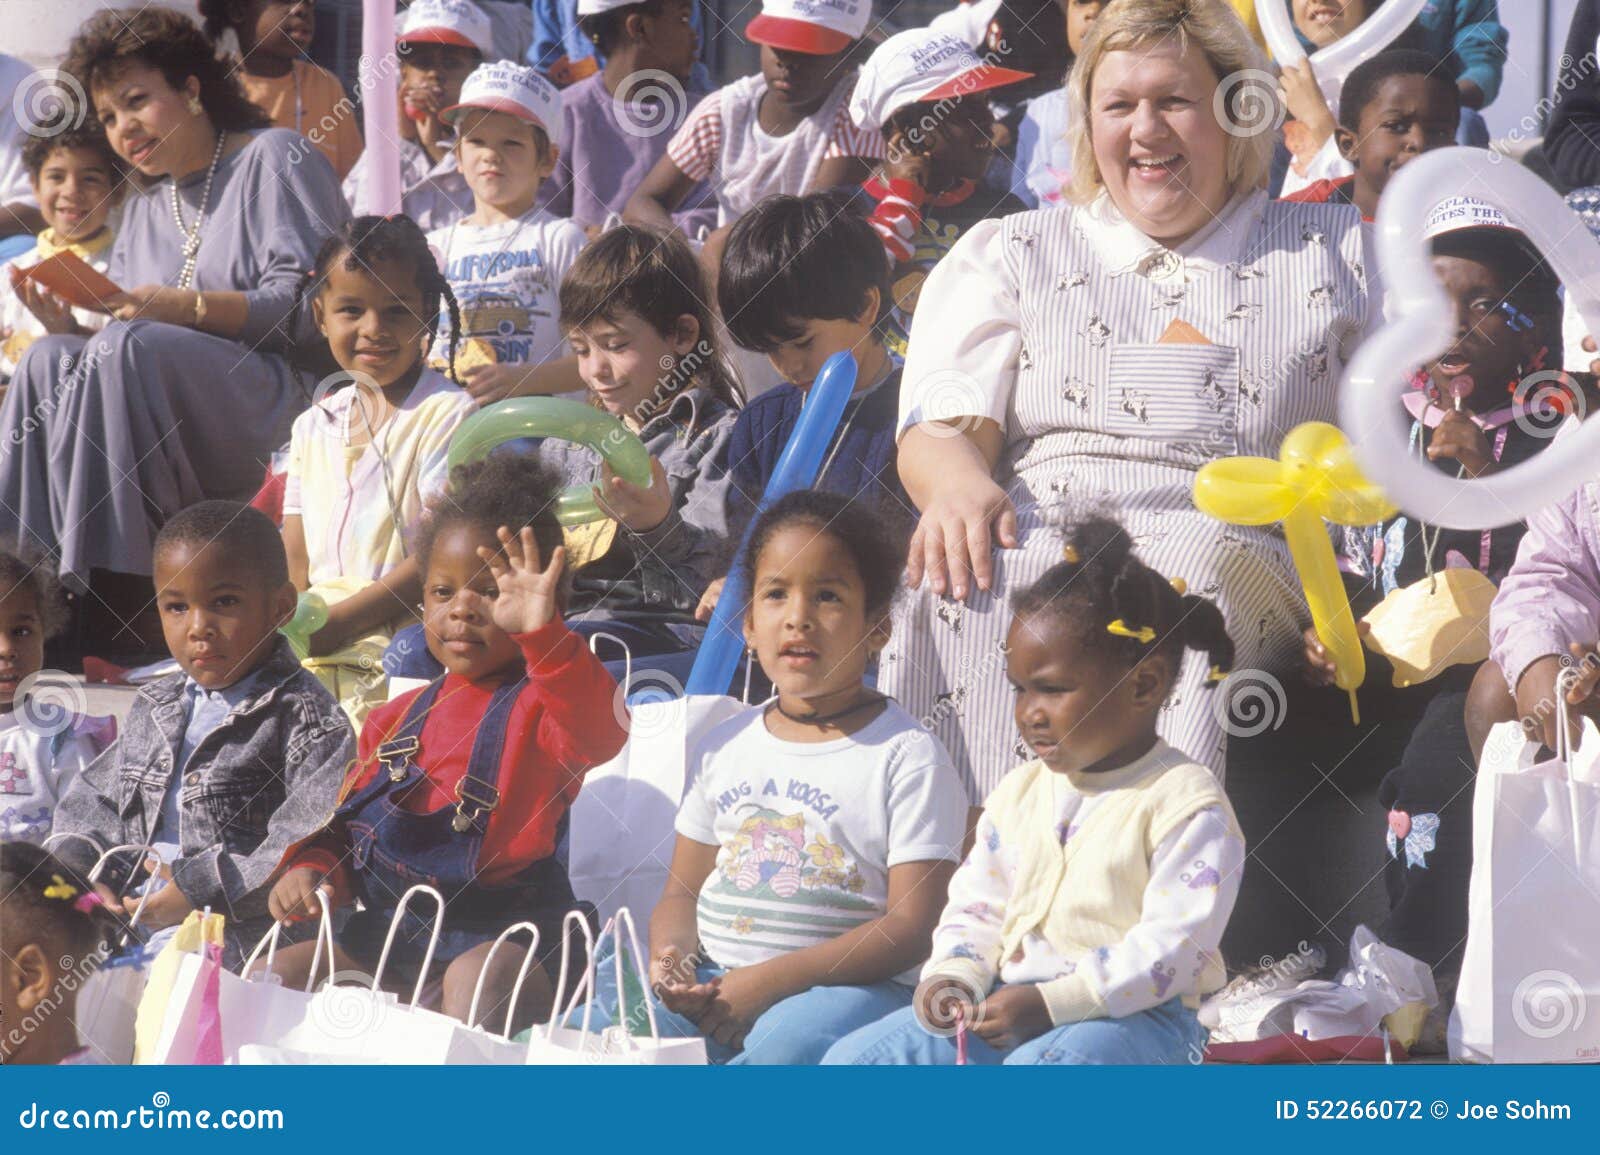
<point>74,280</point>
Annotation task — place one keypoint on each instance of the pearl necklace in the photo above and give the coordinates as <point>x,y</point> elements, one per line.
<point>191,243</point>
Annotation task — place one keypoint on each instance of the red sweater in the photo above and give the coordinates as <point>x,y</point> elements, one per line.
<point>1338,191</point>
<point>563,724</point>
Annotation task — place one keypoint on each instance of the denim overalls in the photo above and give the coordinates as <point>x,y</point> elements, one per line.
<point>394,849</point>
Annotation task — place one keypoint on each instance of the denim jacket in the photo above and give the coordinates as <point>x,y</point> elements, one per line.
<point>266,777</point>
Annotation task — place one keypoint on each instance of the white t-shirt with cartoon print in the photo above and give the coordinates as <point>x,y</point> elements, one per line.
<point>38,763</point>
<point>505,278</point>
<point>806,832</point>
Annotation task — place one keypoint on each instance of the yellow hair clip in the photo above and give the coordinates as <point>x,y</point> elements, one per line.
<point>1216,674</point>
<point>1070,553</point>
<point>1180,586</point>
<point>60,888</point>
<point>1144,634</point>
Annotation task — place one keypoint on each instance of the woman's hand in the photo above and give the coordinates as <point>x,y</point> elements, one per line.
<point>1460,438</point>
<point>1012,1015</point>
<point>296,895</point>
<point>954,540</point>
<point>640,509</point>
<point>47,308</point>
<point>154,303</point>
<point>1302,96</point>
<point>487,384</point>
<point>526,598</point>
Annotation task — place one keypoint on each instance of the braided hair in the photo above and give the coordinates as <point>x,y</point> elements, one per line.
<point>44,901</point>
<point>1116,604</point>
<point>359,244</point>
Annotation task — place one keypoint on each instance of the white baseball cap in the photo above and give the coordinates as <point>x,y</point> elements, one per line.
<point>595,7</point>
<point>514,89</point>
<point>815,27</point>
<point>922,64</point>
<point>458,22</point>
<point>1455,213</point>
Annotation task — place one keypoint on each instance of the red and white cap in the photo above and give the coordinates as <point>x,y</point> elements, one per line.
<point>1458,212</point>
<point>448,22</point>
<point>815,27</point>
<point>918,65</point>
<point>514,89</point>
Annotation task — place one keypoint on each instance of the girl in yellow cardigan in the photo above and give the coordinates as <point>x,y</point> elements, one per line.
<point>1083,926</point>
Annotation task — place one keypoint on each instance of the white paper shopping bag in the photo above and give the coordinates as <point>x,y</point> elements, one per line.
<point>621,831</point>
<point>557,1044</point>
<point>1530,977</point>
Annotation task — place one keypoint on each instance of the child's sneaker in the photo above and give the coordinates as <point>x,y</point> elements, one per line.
<point>1234,1000</point>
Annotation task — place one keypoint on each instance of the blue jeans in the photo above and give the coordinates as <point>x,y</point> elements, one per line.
<point>1168,1034</point>
<point>795,1032</point>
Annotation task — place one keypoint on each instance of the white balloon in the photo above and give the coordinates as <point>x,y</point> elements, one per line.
<point>1422,325</point>
<point>1333,63</point>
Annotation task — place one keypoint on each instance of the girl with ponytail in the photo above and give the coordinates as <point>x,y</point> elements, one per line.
<point>1084,925</point>
<point>372,446</point>
<point>53,931</point>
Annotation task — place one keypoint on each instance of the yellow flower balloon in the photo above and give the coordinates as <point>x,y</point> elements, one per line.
<point>1314,479</point>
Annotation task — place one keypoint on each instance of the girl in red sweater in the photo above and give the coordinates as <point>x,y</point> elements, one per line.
<point>465,784</point>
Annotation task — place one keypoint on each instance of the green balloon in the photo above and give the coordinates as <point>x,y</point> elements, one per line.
<point>310,615</point>
<point>567,420</point>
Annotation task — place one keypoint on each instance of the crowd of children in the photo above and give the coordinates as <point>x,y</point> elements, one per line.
<point>839,890</point>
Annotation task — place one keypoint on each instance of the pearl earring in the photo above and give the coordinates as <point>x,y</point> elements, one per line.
<point>194,106</point>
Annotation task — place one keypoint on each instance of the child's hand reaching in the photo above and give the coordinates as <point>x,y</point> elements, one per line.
<point>296,895</point>
<point>709,600</point>
<point>166,907</point>
<point>487,384</point>
<point>1011,1016</point>
<point>1538,699</point>
<point>641,510</point>
<point>1302,96</point>
<point>907,162</point>
<point>527,589</point>
<point>1460,438</point>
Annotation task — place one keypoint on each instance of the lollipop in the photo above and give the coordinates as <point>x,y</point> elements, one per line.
<point>1460,388</point>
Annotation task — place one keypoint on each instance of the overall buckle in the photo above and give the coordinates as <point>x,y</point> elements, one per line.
<point>395,756</point>
<point>474,799</point>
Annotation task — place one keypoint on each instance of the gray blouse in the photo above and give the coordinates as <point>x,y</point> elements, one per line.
<point>273,202</point>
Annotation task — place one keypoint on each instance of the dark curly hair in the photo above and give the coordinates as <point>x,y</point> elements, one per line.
<point>88,136</point>
<point>37,578</point>
<point>38,905</point>
<point>1102,582</point>
<point>116,38</point>
<point>874,538</point>
<point>506,488</point>
<point>359,244</point>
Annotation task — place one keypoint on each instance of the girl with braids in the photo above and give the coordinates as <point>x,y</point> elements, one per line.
<point>465,784</point>
<point>52,928</point>
<point>1083,925</point>
<point>365,457</point>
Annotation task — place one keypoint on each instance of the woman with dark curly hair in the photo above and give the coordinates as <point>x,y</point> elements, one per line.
<point>185,394</point>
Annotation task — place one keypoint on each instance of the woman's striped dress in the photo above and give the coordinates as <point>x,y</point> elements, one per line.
<point>1117,368</point>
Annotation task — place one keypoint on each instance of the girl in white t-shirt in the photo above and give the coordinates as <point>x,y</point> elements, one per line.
<point>43,744</point>
<point>820,829</point>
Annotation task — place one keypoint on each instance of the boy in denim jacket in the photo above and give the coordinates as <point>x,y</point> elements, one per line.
<point>221,768</point>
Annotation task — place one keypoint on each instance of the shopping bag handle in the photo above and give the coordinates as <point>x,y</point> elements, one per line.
<point>143,849</point>
<point>557,1018</point>
<point>1565,680</point>
<point>522,975</point>
<point>64,834</point>
<point>394,928</point>
<point>270,942</point>
<point>627,657</point>
<point>589,984</point>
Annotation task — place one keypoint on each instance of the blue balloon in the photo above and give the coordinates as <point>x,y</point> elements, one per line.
<point>797,468</point>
